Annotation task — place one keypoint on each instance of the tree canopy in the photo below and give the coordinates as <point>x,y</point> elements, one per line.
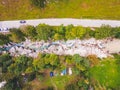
<point>16,35</point>
<point>44,32</point>
<point>4,39</point>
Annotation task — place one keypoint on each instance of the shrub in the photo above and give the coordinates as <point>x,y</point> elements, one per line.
<point>39,3</point>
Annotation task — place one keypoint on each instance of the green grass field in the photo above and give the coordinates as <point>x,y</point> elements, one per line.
<point>107,73</point>
<point>19,9</point>
<point>58,82</point>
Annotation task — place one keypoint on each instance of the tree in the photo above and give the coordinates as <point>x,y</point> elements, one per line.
<point>57,36</point>
<point>69,60</point>
<point>76,32</point>
<point>116,32</point>
<point>5,62</point>
<point>103,32</point>
<point>60,33</point>
<point>81,63</point>
<point>77,58</point>
<point>20,65</point>
<point>39,62</point>
<point>82,85</point>
<point>89,33</point>
<point>61,30</point>
<point>13,84</point>
<point>30,32</point>
<point>4,39</point>
<point>68,30</point>
<point>51,61</point>
<point>54,60</point>
<point>72,86</point>
<point>44,32</point>
<point>16,35</point>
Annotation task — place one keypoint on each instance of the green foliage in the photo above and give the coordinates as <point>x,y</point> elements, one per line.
<point>70,32</point>
<point>54,60</point>
<point>89,33</point>
<point>13,84</point>
<point>97,9</point>
<point>20,65</point>
<point>57,36</point>
<point>117,57</point>
<point>81,63</point>
<point>30,32</point>
<point>31,77</point>
<point>116,31</point>
<point>76,32</point>
<point>103,32</point>
<point>40,77</point>
<point>68,29</point>
<point>82,85</point>
<point>39,3</point>
<point>76,71</point>
<point>50,88</point>
<point>69,60</point>
<point>16,35</point>
<point>44,32</point>
<point>71,87</point>
<point>59,33</point>
<point>38,64</point>
<point>61,81</point>
<point>77,58</point>
<point>61,30</point>
<point>106,74</point>
<point>5,62</point>
<point>7,76</point>
<point>46,61</point>
<point>4,39</point>
<point>27,67</point>
<point>27,86</point>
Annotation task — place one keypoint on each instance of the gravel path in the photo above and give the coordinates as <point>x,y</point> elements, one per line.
<point>64,21</point>
<point>113,46</point>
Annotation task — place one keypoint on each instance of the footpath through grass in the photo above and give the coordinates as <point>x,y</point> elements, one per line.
<point>97,9</point>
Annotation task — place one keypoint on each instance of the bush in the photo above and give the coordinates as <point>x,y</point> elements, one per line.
<point>44,32</point>
<point>40,77</point>
<point>72,86</point>
<point>103,32</point>
<point>16,35</point>
<point>31,77</point>
<point>4,39</point>
<point>39,3</point>
<point>76,32</point>
<point>50,88</point>
<point>116,32</point>
<point>29,31</point>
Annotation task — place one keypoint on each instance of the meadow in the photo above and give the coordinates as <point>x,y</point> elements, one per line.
<point>106,74</point>
<point>95,9</point>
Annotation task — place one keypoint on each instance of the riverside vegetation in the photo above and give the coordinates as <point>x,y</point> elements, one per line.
<point>23,73</point>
